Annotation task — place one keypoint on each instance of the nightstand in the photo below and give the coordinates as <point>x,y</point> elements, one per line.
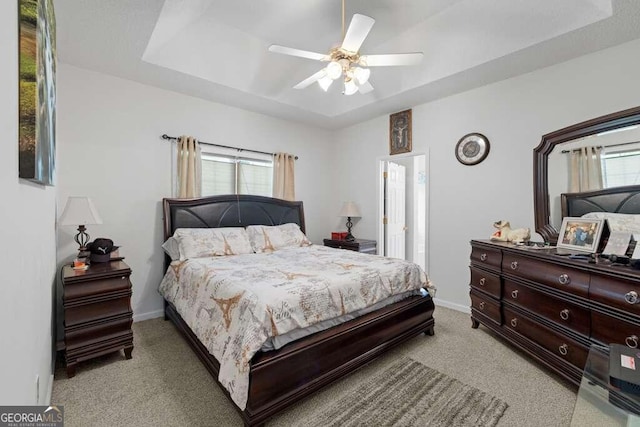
<point>358,245</point>
<point>97,312</point>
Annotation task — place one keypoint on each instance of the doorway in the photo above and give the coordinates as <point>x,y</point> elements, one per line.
<point>402,208</point>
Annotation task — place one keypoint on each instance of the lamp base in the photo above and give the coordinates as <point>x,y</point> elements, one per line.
<point>349,237</point>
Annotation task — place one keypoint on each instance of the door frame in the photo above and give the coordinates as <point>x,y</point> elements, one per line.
<point>380,201</point>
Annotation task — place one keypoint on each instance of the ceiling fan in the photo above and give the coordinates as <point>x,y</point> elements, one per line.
<point>346,60</point>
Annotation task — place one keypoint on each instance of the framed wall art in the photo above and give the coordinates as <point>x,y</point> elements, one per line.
<point>400,132</point>
<point>37,92</point>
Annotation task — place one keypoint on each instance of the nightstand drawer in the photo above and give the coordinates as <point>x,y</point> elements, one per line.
<point>357,245</point>
<point>87,334</point>
<point>91,288</point>
<point>92,312</point>
<point>486,282</point>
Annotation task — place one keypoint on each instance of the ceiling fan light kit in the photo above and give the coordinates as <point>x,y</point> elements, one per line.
<point>346,62</point>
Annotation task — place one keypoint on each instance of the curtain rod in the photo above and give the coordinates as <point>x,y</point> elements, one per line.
<point>600,146</point>
<point>174,138</point>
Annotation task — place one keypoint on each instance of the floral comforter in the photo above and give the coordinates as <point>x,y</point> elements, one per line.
<point>235,303</point>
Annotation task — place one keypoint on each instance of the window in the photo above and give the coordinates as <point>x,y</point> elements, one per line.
<point>224,174</point>
<point>620,168</point>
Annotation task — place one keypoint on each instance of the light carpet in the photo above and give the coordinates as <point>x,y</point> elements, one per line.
<point>165,383</point>
<point>408,393</point>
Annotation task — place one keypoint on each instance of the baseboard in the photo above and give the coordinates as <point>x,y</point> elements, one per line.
<point>452,305</point>
<point>149,315</point>
<point>47,398</point>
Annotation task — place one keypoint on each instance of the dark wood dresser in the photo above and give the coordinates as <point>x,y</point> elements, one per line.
<point>97,312</point>
<point>551,306</point>
<point>358,245</point>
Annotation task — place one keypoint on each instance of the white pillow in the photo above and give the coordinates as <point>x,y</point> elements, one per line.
<point>618,221</point>
<point>172,248</point>
<point>206,242</point>
<point>268,238</point>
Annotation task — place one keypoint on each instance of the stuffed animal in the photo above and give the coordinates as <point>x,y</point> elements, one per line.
<point>506,234</point>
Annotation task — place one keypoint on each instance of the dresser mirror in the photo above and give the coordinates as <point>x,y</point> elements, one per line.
<point>616,136</point>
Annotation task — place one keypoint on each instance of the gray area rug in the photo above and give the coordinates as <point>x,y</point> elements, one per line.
<point>408,393</point>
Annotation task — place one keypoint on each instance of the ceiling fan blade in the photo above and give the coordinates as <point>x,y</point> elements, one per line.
<point>391,60</point>
<point>298,52</point>
<point>312,79</point>
<point>356,33</point>
<point>366,87</point>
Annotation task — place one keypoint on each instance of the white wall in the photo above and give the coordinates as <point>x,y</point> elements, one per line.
<point>513,114</point>
<point>110,150</point>
<point>28,247</point>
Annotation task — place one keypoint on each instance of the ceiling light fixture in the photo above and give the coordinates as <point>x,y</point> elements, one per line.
<point>345,61</point>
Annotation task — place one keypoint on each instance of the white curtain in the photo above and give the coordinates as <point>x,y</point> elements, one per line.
<point>189,168</point>
<point>585,172</point>
<point>283,176</point>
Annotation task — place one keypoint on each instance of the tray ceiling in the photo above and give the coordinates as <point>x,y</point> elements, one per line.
<point>218,50</point>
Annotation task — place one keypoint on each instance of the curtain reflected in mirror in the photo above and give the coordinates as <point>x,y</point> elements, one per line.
<point>604,160</point>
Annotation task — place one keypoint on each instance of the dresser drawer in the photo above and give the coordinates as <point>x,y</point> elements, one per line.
<point>485,282</point>
<point>608,330</point>
<point>618,293</point>
<point>486,257</point>
<point>561,346</point>
<point>94,312</point>
<point>557,276</point>
<point>557,310</point>
<point>487,306</point>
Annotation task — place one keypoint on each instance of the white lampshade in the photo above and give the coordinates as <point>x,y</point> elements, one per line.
<point>325,82</point>
<point>334,70</point>
<point>361,75</point>
<point>79,210</point>
<point>350,209</point>
<point>350,87</point>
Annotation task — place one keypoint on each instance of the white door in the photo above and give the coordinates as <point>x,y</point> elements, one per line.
<point>394,207</point>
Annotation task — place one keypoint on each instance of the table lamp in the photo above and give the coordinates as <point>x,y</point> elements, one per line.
<point>80,211</point>
<point>350,210</point>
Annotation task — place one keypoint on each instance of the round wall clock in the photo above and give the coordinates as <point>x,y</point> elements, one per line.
<point>472,149</point>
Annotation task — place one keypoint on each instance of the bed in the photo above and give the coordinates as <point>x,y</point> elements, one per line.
<point>622,200</point>
<point>280,378</point>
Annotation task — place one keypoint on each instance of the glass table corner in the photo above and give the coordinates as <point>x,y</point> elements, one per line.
<point>599,403</point>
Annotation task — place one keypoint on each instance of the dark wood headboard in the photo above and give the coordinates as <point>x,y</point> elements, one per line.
<point>617,199</point>
<point>229,211</point>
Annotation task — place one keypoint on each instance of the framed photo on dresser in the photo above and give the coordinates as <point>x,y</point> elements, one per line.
<point>581,234</point>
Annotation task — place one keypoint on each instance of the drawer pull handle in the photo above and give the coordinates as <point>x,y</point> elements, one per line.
<point>514,294</point>
<point>564,314</point>
<point>482,281</point>
<point>514,265</point>
<point>483,257</point>
<point>631,297</point>
<point>514,322</point>
<point>564,279</point>
<point>631,341</point>
<point>563,349</point>
<point>124,277</point>
<point>481,305</point>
